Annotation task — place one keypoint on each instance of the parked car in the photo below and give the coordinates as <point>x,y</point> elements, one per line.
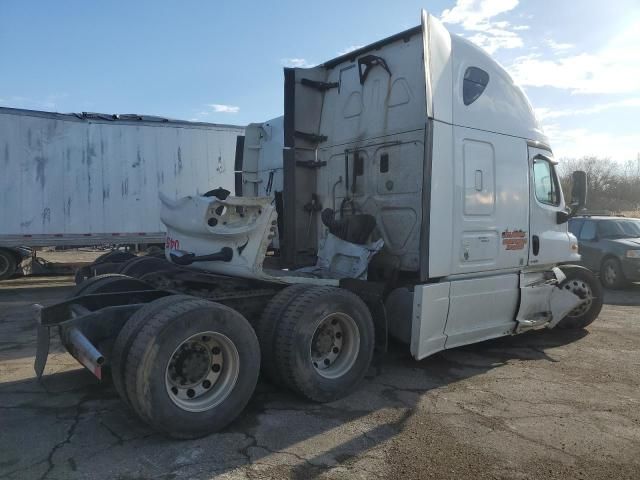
<point>609,246</point>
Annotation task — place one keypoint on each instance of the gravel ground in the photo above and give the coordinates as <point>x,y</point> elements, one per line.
<point>549,404</point>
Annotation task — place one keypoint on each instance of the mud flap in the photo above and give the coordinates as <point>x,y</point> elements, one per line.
<point>542,303</point>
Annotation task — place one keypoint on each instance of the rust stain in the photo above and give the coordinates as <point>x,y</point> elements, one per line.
<point>91,153</point>
<point>138,159</point>
<point>179,160</point>
<point>40,164</point>
<point>46,215</point>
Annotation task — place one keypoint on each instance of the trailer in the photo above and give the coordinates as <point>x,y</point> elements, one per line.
<point>90,178</point>
<point>420,200</point>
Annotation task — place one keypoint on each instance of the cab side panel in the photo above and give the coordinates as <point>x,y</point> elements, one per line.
<point>491,206</point>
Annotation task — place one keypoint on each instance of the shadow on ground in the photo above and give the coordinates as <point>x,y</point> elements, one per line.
<point>628,296</point>
<point>70,425</point>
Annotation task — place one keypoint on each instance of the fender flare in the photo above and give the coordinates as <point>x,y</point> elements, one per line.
<point>572,267</point>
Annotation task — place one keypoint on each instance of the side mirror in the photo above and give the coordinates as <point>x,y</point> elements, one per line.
<point>578,191</point>
<point>562,217</point>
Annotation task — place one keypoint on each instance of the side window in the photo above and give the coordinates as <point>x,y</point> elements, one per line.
<point>588,230</point>
<point>574,226</point>
<point>545,182</point>
<point>474,83</point>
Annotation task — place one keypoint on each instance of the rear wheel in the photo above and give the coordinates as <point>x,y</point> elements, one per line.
<point>128,334</point>
<point>192,368</point>
<point>105,263</point>
<point>584,284</point>
<point>108,283</point>
<point>140,266</point>
<point>82,274</point>
<point>267,327</point>
<point>611,274</point>
<point>324,343</point>
<point>114,256</point>
<point>8,264</point>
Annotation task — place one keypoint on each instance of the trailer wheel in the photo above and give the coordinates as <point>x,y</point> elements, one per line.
<point>8,264</point>
<point>192,368</point>
<point>139,266</point>
<point>267,326</point>
<point>324,343</point>
<point>583,283</point>
<point>128,334</point>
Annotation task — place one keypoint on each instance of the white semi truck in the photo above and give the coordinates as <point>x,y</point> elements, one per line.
<point>90,178</point>
<point>420,200</point>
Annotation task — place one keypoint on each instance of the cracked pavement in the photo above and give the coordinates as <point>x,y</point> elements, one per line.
<point>549,404</point>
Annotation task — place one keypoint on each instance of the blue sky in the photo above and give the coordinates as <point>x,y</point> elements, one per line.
<point>215,61</point>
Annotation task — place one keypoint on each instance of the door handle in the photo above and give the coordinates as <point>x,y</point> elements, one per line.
<point>478,180</point>
<point>535,244</point>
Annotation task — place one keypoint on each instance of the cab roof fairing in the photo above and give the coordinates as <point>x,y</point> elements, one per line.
<point>502,108</point>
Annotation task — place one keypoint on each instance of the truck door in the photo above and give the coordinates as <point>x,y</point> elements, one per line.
<point>549,241</point>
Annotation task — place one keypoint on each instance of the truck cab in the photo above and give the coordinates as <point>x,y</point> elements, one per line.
<point>419,199</point>
<point>430,136</point>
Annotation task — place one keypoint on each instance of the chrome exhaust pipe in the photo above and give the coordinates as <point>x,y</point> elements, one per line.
<point>85,352</point>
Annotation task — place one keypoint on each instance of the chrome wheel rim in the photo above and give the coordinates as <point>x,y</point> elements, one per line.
<point>202,371</point>
<point>581,289</point>
<point>610,274</point>
<point>335,345</point>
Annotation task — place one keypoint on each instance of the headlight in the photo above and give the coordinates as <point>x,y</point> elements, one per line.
<point>633,253</point>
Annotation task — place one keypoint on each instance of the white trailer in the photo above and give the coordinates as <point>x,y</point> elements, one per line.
<point>86,179</point>
<point>420,200</point>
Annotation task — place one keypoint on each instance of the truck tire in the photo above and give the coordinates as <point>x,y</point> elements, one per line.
<point>324,343</point>
<point>82,274</point>
<point>107,283</point>
<point>139,266</point>
<point>611,274</point>
<point>584,284</point>
<point>127,335</point>
<point>267,326</point>
<point>8,264</point>
<point>192,368</point>
<point>112,258</point>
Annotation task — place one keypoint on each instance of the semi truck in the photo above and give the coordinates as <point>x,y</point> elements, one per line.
<point>419,201</point>
<point>91,178</point>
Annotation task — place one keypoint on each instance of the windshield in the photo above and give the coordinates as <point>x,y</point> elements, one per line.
<point>619,228</point>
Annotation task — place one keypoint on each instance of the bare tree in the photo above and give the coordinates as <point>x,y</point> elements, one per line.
<point>613,187</point>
